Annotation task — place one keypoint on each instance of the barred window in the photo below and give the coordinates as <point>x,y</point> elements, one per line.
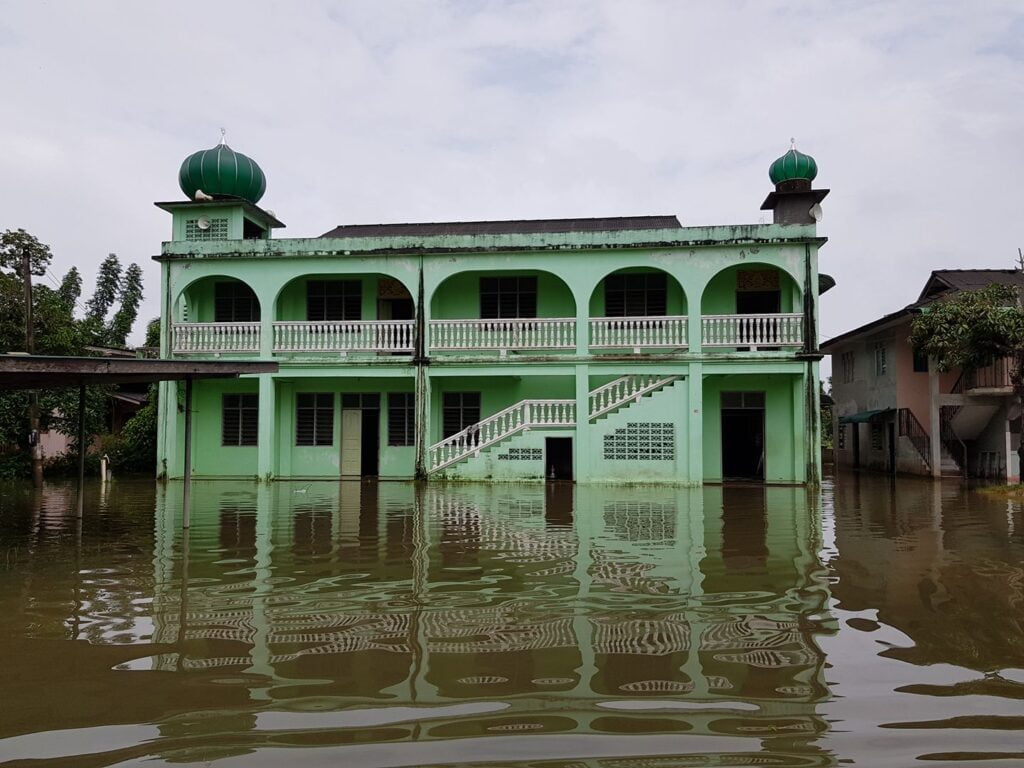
<point>239,419</point>
<point>401,418</point>
<point>849,361</point>
<point>234,303</point>
<point>876,436</point>
<point>881,363</point>
<point>508,297</point>
<point>314,418</point>
<point>329,300</point>
<point>841,437</point>
<point>638,295</point>
<point>459,410</point>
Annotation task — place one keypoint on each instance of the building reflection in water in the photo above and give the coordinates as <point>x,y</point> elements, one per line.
<point>556,600</point>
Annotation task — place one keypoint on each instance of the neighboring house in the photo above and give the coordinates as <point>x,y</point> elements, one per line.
<point>625,349</point>
<point>890,403</point>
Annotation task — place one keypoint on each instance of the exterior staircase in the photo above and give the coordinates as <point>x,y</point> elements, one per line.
<point>541,414</point>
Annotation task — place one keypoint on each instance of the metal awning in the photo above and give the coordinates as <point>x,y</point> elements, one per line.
<point>865,416</point>
<point>49,372</point>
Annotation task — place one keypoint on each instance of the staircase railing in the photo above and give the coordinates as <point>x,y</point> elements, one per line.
<point>911,428</point>
<point>623,390</point>
<point>523,415</point>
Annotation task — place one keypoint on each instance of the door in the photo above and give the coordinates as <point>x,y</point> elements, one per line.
<point>558,458</point>
<point>743,444</point>
<point>351,442</point>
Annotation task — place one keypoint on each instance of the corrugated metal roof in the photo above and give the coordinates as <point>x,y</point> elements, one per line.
<point>943,280</point>
<point>516,227</point>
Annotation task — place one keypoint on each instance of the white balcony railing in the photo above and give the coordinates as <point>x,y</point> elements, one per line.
<point>512,334</point>
<point>214,338</point>
<point>638,332</point>
<point>752,331</point>
<point>523,415</point>
<point>343,336</point>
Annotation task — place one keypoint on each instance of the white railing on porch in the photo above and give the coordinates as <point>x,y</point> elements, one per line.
<point>753,331</point>
<point>525,414</point>
<point>624,390</point>
<point>345,336</point>
<point>511,334</point>
<point>214,338</point>
<point>638,332</point>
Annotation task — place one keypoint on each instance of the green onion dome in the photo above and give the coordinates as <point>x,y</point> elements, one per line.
<point>793,165</point>
<point>222,171</point>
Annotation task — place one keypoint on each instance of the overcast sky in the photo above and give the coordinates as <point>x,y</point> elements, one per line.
<point>364,112</point>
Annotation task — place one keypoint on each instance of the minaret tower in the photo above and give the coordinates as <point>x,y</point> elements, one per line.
<point>794,201</point>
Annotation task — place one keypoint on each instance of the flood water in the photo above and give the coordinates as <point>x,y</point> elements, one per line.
<point>872,623</point>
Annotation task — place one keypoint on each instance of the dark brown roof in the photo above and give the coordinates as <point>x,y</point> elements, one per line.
<point>940,282</point>
<point>520,227</point>
<point>943,280</point>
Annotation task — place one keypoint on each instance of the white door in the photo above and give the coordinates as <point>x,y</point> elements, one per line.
<point>351,443</point>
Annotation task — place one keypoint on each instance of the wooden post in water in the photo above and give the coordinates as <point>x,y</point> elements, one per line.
<point>81,448</point>
<point>185,494</point>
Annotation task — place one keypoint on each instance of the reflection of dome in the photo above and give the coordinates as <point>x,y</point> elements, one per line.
<point>222,171</point>
<point>793,165</point>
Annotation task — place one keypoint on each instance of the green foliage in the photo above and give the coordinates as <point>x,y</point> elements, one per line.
<point>107,281</point>
<point>971,329</point>
<point>826,417</point>
<point>130,294</point>
<point>153,333</point>
<point>134,450</point>
<point>71,288</point>
<point>16,242</point>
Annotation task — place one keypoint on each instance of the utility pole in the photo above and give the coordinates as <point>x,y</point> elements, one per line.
<point>33,397</point>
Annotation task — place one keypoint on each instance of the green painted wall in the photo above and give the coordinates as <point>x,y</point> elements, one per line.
<point>196,304</point>
<point>459,296</point>
<point>719,297</point>
<point>209,457</point>
<point>784,434</point>
<point>675,300</point>
<point>291,301</point>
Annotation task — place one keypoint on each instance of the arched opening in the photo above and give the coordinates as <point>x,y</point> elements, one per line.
<point>638,308</point>
<point>364,312</point>
<point>751,307</point>
<point>216,315</point>
<point>502,310</point>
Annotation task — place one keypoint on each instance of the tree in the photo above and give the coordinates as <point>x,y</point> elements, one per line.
<point>971,329</point>
<point>14,243</point>
<point>130,295</point>
<point>71,288</point>
<point>107,281</point>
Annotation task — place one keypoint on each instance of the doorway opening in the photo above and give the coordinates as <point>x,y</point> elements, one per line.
<point>558,458</point>
<point>743,453</point>
<point>360,434</point>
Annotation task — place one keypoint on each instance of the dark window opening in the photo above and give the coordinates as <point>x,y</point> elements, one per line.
<point>920,361</point>
<point>239,420</point>
<point>252,231</point>
<point>314,419</point>
<point>234,303</point>
<point>401,418</point>
<point>459,410</point>
<point>758,302</point>
<point>639,295</point>
<point>743,451</point>
<point>508,297</point>
<point>334,300</point>
<point>361,400</point>
<point>558,458</point>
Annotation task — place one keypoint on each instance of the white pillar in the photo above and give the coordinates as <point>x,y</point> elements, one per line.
<point>934,418</point>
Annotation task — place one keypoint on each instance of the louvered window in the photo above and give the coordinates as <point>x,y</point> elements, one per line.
<point>401,418</point>
<point>638,295</point>
<point>330,300</point>
<point>240,419</point>
<point>314,418</point>
<point>234,303</point>
<point>459,410</point>
<point>508,297</point>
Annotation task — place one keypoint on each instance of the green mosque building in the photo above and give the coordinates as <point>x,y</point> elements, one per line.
<point>616,350</point>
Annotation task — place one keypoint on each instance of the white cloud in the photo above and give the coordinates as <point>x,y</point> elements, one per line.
<point>369,111</point>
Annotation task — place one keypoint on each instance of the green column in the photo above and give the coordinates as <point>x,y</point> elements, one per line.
<point>267,444</point>
<point>695,424</point>
<point>422,404</point>
<point>583,469</point>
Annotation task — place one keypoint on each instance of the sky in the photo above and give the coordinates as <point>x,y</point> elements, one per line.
<point>365,112</point>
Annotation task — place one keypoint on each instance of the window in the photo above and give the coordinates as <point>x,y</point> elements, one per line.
<point>841,437</point>
<point>401,418</point>
<point>459,410</point>
<point>640,295</point>
<point>881,364</point>
<point>331,300</point>
<point>366,401</point>
<point>743,400</point>
<point>508,297</point>
<point>314,418</point>
<point>876,436</point>
<point>849,365</point>
<point>234,303</point>
<point>920,361</point>
<point>239,419</point>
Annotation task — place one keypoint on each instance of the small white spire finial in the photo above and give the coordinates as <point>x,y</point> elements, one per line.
<point>792,142</point>
<point>223,136</point>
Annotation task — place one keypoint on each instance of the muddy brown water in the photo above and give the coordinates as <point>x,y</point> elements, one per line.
<point>871,623</point>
